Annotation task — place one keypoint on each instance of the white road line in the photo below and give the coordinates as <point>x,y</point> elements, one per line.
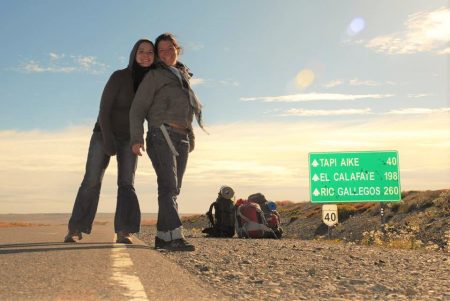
<point>123,275</point>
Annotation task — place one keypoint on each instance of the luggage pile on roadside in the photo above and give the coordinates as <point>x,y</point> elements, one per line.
<point>254,217</point>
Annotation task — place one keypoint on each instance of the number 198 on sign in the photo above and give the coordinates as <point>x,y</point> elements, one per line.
<point>391,175</point>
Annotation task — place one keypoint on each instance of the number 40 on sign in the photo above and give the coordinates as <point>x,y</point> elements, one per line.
<point>330,214</point>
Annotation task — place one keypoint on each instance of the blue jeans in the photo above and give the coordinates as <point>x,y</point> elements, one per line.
<point>128,213</point>
<point>169,171</point>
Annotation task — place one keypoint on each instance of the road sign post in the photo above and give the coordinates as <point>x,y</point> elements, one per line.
<point>330,216</point>
<point>370,176</point>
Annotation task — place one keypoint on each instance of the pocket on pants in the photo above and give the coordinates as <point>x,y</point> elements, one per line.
<point>155,138</point>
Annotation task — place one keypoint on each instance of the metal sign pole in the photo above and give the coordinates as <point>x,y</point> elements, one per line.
<point>382,214</point>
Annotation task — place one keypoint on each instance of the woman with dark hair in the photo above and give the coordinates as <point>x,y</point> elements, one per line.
<point>167,101</point>
<point>111,136</point>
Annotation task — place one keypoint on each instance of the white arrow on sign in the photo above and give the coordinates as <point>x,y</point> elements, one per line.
<point>316,192</point>
<point>315,163</point>
<point>315,178</point>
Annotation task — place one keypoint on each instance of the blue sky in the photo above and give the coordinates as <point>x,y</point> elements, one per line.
<point>291,77</point>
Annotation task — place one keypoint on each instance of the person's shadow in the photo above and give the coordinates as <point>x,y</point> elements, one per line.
<point>61,246</point>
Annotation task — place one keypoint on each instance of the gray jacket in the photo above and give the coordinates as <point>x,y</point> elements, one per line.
<point>162,97</point>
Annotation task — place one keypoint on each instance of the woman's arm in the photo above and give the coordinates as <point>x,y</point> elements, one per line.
<point>139,110</point>
<point>107,101</point>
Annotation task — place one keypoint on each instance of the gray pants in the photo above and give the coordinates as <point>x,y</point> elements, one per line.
<point>128,214</point>
<point>169,171</point>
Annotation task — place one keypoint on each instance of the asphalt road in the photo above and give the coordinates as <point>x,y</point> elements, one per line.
<point>36,265</point>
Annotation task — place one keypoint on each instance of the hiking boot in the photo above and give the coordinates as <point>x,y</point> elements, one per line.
<point>178,245</point>
<point>160,243</point>
<point>123,238</point>
<point>70,236</point>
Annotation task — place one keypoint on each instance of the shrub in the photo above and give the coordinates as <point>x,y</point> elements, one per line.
<point>345,211</point>
<point>394,206</point>
<point>443,203</point>
<point>394,237</point>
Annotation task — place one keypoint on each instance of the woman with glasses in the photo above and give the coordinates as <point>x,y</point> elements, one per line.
<point>111,137</point>
<point>167,101</point>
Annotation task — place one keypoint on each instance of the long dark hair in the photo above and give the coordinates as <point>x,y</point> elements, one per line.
<point>138,72</point>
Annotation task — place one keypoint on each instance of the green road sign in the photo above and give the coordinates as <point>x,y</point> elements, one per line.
<point>354,177</point>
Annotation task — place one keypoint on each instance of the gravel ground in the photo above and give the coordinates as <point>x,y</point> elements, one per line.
<point>293,269</point>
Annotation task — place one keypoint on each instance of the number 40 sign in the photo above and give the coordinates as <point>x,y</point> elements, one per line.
<point>330,214</point>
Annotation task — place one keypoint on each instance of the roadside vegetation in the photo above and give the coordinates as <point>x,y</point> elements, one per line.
<point>421,220</point>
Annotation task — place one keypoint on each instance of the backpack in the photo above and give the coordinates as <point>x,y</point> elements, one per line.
<point>222,221</point>
<point>271,215</point>
<point>251,222</point>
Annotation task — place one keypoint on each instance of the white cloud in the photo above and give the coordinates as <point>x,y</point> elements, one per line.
<point>355,82</point>
<point>36,67</point>
<point>60,63</point>
<point>89,64</point>
<point>85,61</point>
<point>196,81</point>
<point>55,56</point>
<point>229,83</point>
<point>444,51</point>
<point>358,82</point>
<point>425,31</point>
<point>267,157</point>
<point>366,111</point>
<point>418,95</point>
<point>314,113</point>
<point>415,111</point>
<point>315,97</point>
<point>334,83</point>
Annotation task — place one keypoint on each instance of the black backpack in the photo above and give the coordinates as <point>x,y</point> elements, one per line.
<point>222,221</point>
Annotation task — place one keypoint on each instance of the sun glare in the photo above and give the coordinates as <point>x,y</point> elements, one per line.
<point>304,78</point>
<point>356,26</point>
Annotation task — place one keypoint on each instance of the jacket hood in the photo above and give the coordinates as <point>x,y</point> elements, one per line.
<point>133,52</point>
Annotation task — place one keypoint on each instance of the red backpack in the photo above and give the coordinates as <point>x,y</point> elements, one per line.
<point>269,208</point>
<point>251,222</point>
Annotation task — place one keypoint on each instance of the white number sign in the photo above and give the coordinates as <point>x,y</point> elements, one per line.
<point>330,214</point>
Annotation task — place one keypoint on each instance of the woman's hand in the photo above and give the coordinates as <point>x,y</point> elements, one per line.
<point>136,149</point>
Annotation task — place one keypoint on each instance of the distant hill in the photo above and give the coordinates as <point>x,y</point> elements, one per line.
<point>420,220</point>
